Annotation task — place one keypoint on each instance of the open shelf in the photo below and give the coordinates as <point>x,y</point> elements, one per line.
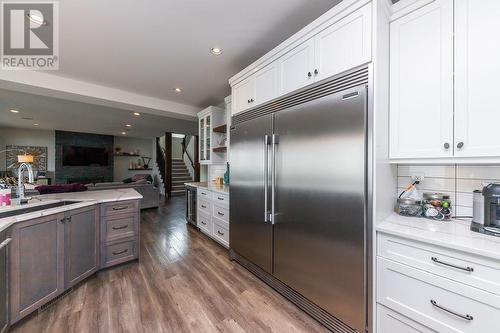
<point>219,149</point>
<point>140,169</point>
<point>127,155</point>
<point>220,129</point>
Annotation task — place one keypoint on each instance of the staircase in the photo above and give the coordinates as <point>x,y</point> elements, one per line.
<point>180,175</point>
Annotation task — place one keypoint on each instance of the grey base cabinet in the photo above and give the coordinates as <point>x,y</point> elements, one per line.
<point>36,262</point>
<point>4,281</point>
<point>51,254</point>
<point>81,245</point>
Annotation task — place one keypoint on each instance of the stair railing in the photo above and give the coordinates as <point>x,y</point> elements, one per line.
<point>194,164</point>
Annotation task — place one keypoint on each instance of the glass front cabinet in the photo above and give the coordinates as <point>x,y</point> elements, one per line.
<point>209,119</point>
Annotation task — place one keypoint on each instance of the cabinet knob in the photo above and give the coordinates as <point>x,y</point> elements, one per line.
<point>316,72</point>
<point>446,145</point>
<point>248,101</point>
<point>309,74</point>
<point>251,100</point>
<point>460,145</point>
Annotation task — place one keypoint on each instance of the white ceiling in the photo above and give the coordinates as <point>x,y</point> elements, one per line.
<point>151,46</point>
<point>53,113</point>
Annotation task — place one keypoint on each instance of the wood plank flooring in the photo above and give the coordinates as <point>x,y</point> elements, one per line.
<point>184,282</point>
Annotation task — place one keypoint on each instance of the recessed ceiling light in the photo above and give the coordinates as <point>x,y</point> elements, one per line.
<point>124,133</point>
<point>178,90</point>
<point>216,50</point>
<point>35,18</point>
<point>128,125</point>
<point>35,124</point>
<point>14,111</point>
<point>137,114</point>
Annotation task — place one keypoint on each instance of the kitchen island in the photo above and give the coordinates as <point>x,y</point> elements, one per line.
<point>69,237</point>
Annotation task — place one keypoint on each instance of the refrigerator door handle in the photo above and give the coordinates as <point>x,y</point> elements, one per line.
<point>267,215</point>
<point>275,141</point>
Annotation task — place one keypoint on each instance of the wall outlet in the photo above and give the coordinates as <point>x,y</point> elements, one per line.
<point>417,178</point>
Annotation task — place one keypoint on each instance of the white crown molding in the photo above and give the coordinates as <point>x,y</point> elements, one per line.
<point>40,83</point>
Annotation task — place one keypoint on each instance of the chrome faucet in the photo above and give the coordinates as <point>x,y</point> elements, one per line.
<point>20,181</point>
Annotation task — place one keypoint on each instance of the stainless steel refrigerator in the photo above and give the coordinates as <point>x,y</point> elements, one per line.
<point>299,198</point>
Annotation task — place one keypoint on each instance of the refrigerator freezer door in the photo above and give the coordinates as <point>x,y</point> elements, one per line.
<point>251,236</point>
<point>319,233</point>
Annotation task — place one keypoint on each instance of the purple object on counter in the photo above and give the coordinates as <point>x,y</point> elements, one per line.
<point>63,188</point>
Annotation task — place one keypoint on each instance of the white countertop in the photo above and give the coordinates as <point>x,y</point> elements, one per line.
<point>87,198</point>
<point>453,234</point>
<point>224,189</point>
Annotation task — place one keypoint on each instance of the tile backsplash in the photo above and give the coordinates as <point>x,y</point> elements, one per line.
<point>456,180</point>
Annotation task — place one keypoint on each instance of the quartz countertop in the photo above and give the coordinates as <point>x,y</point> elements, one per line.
<point>453,234</point>
<point>224,189</point>
<point>87,198</point>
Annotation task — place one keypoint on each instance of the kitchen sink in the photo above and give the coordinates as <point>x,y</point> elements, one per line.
<point>26,210</point>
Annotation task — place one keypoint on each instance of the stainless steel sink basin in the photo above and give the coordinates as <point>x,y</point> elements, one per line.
<point>26,210</point>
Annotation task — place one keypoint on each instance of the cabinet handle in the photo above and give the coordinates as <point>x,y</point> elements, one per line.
<point>203,206</point>
<point>120,252</point>
<point>437,261</point>
<point>466,317</point>
<point>66,219</point>
<point>5,243</point>
<point>220,213</point>
<point>248,101</point>
<point>203,193</point>
<point>316,72</point>
<point>222,199</point>
<point>220,233</point>
<point>122,227</point>
<point>204,223</point>
<point>309,75</point>
<point>446,145</point>
<point>120,208</point>
<point>460,145</point>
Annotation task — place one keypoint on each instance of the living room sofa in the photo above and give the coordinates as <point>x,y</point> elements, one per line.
<point>150,193</point>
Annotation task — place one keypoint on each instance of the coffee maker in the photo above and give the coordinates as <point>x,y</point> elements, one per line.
<point>491,217</point>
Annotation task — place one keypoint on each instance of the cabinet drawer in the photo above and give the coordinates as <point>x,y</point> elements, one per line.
<point>122,207</point>
<point>434,301</point>
<point>204,194</point>
<point>121,226</point>
<point>119,252</point>
<point>389,321</point>
<point>221,212</point>
<point>221,199</point>
<point>221,232</point>
<point>205,223</point>
<point>475,271</point>
<point>204,207</point>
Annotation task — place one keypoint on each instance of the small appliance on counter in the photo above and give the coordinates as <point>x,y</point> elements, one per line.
<point>487,222</point>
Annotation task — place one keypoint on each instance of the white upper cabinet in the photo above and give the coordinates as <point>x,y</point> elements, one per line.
<point>344,45</point>
<point>477,69</point>
<point>339,40</point>
<point>242,95</point>
<point>296,67</point>
<point>267,83</point>
<point>421,83</point>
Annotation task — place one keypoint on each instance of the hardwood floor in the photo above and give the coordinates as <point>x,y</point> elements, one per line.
<point>184,282</point>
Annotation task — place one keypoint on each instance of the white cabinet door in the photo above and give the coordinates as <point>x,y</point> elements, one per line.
<point>421,74</point>
<point>266,83</point>
<point>344,45</point>
<point>296,67</point>
<point>242,95</point>
<point>389,321</point>
<point>477,69</point>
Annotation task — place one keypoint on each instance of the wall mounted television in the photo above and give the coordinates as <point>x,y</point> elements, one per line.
<point>85,156</point>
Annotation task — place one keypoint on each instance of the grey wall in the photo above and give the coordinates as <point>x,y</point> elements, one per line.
<point>101,173</point>
<point>177,148</point>
<point>121,163</point>
<point>28,137</point>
